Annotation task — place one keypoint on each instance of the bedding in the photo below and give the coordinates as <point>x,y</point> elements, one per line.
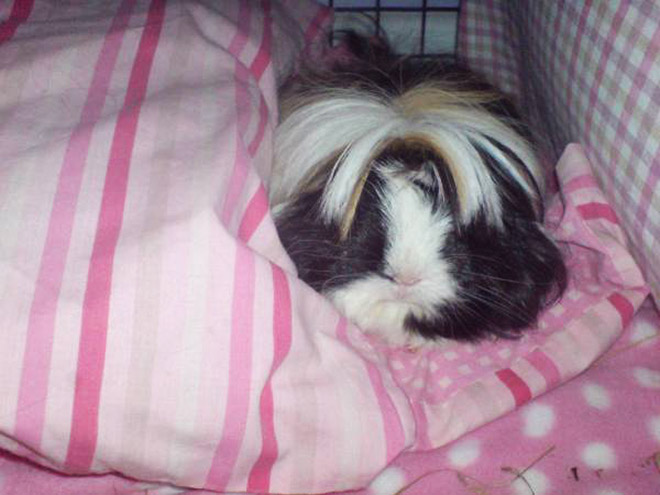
<point>152,331</point>
<point>597,434</point>
<point>545,447</point>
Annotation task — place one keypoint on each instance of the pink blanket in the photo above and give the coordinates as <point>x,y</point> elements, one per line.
<point>151,323</point>
<point>597,435</point>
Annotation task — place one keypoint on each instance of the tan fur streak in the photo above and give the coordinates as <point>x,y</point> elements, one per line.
<point>410,141</point>
<point>318,178</point>
<point>290,104</point>
<point>440,117</point>
<point>429,98</point>
<point>425,98</point>
<point>351,208</point>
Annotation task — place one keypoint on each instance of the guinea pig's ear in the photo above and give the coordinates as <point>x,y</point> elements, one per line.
<point>374,50</point>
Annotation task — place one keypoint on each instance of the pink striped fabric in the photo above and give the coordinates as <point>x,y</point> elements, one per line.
<point>395,436</point>
<point>149,332</point>
<point>623,306</point>
<point>599,210</point>
<point>519,389</point>
<point>259,479</point>
<point>238,393</point>
<point>96,304</point>
<point>151,324</point>
<point>545,366</point>
<point>34,380</point>
<point>19,13</point>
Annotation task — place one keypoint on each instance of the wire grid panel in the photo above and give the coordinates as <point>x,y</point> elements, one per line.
<point>424,28</point>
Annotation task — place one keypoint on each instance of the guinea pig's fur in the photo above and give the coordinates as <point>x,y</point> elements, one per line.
<point>407,193</point>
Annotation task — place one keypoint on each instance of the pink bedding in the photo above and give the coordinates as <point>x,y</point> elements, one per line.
<point>597,435</point>
<point>151,324</point>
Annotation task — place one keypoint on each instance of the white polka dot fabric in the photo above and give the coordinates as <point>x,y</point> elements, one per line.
<point>389,482</point>
<point>539,420</point>
<point>464,453</point>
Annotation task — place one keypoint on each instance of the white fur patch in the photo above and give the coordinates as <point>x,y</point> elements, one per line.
<point>318,130</point>
<point>419,279</point>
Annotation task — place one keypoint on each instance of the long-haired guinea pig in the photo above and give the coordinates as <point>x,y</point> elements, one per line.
<point>406,193</point>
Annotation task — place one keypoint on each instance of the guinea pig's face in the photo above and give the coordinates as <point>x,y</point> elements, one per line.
<point>410,270</point>
<point>412,279</point>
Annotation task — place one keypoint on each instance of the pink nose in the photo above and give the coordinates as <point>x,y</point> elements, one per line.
<point>407,280</point>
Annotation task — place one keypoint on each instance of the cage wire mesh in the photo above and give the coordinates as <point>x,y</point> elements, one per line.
<point>425,28</point>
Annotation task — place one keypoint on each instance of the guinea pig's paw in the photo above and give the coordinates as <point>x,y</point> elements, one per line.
<point>417,343</point>
<point>411,342</point>
<point>388,337</point>
<point>369,306</point>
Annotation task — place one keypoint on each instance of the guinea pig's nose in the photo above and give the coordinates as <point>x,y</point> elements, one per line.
<point>407,280</point>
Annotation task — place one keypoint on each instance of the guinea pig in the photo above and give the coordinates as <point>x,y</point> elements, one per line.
<point>407,192</point>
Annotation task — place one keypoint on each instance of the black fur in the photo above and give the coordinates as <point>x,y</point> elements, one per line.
<point>505,277</point>
<point>322,259</point>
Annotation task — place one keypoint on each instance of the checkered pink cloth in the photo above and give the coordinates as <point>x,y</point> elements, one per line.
<point>586,72</point>
<point>150,322</point>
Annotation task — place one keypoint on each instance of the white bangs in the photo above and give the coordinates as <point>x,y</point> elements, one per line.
<point>318,129</point>
<point>343,131</point>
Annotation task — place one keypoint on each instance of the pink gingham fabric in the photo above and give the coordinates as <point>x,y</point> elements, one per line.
<point>586,72</point>
<point>151,325</point>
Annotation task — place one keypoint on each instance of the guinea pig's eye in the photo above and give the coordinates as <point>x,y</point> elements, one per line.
<point>430,190</point>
